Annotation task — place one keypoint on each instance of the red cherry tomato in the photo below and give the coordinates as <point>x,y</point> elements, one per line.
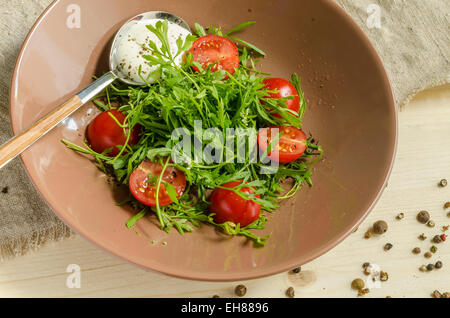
<point>285,89</point>
<point>230,207</point>
<point>143,183</point>
<point>290,146</point>
<point>210,49</point>
<point>104,133</point>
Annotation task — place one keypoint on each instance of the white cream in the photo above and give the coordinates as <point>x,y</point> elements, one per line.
<point>130,50</point>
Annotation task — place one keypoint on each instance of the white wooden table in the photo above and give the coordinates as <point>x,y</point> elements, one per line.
<point>422,160</point>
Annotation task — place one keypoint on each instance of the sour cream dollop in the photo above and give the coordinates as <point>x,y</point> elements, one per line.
<point>131,49</point>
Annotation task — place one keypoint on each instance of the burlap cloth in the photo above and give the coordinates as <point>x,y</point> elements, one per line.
<point>413,42</point>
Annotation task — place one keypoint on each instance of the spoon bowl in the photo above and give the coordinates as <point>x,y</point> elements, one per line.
<point>26,138</point>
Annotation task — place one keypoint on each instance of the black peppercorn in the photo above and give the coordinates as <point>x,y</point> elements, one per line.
<point>438,264</point>
<point>423,217</point>
<point>430,267</point>
<point>380,227</point>
<point>240,290</point>
<point>290,292</point>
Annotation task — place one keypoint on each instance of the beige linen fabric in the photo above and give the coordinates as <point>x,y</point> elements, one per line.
<point>412,40</point>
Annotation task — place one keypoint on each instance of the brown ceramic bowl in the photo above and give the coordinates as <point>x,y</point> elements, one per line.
<point>350,111</point>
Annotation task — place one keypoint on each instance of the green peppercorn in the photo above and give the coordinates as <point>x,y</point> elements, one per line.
<point>433,249</point>
<point>443,183</point>
<point>438,264</point>
<point>358,284</point>
<point>431,223</point>
<point>380,227</point>
<point>423,217</point>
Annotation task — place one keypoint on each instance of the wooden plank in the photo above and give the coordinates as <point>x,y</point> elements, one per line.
<point>423,159</point>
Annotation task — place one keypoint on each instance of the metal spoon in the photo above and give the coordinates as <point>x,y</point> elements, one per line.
<point>26,138</point>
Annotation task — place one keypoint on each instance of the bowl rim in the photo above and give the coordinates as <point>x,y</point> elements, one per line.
<point>230,277</point>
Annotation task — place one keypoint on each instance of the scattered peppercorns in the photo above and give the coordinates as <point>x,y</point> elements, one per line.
<point>296,270</point>
<point>416,250</point>
<point>290,292</point>
<point>437,239</point>
<point>443,183</point>
<point>436,294</point>
<point>358,284</point>
<point>400,216</point>
<point>430,267</point>
<point>427,255</point>
<point>368,234</point>
<point>363,291</point>
<point>240,290</point>
<point>433,249</point>
<point>431,223</point>
<point>422,237</point>
<point>388,246</point>
<point>423,217</point>
<point>380,227</point>
<point>438,264</point>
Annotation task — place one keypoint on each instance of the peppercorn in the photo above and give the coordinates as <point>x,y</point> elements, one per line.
<point>427,255</point>
<point>445,228</point>
<point>363,291</point>
<point>388,246</point>
<point>416,250</point>
<point>5,189</point>
<point>240,290</point>
<point>423,217</point>
<point>430,223</point>
<point>358,284</point>
<point>368,234</point>
<point>423,268</point>
<point>437,239</point>
<point>366,264</point>
<point>446,295</point>
<point>216,296</point>
<point>383,276</point>
<point>400,216</point>
<point>433,249</point>
<point>447,205</point>
<point>443,237</point>
<point>296,270</point>
<point>422,237</point>
<point>290,292</point>
<point>380,227</point>
<point>438,264</point>
<point>430,267</point>
<point>443,183</point>
<point>436,294</point>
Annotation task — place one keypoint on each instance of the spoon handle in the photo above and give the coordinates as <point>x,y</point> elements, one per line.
<point>27,137</point>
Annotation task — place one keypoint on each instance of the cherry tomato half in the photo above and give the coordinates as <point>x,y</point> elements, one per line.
<point>285,89</point>
<point>210,49</point>
<point>104,133</point>
<point>230,207</point>
<point>143,183</point>
<point>290,146</point>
